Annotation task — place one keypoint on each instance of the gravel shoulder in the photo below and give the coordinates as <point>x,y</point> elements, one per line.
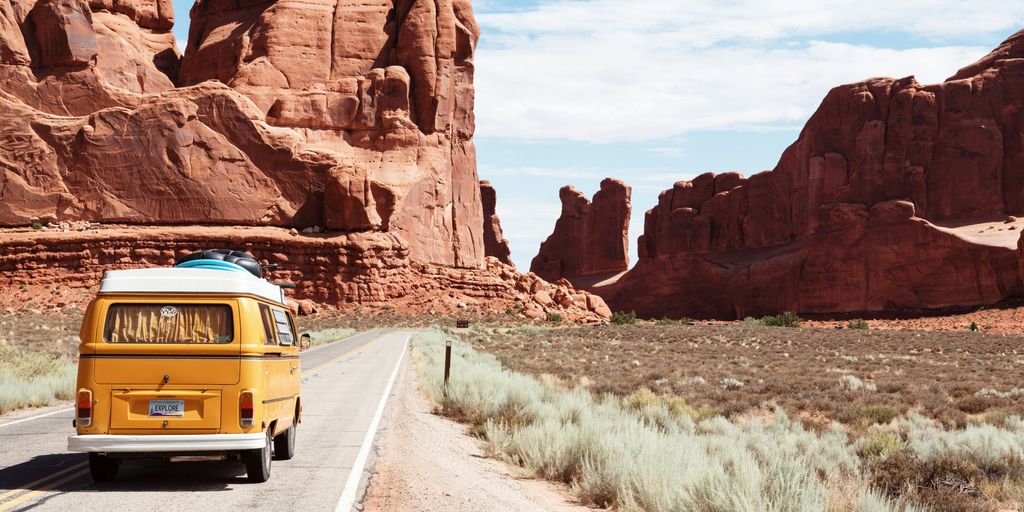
<point>427,462</point>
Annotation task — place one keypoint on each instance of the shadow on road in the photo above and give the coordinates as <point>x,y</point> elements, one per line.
<point>155,475</point>
<point>135,476</point>
<point>16,476</point>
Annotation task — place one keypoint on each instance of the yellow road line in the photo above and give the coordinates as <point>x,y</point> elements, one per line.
<point>344,356</point>
<point>28,486</point>
<point>25,497</point>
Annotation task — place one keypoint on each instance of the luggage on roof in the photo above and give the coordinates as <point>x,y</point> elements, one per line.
<point>214,258</point>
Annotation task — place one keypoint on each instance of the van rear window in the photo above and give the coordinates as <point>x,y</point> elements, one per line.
<point>169,323</point>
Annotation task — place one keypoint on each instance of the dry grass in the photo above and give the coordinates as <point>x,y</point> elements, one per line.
<point>855,377</point>
<point>647,452</point>
<point>31,379</point>
<point>327,335</point>
<point>933,418</point>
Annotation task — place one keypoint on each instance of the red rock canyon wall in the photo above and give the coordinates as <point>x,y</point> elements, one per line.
<point>893,197</point>
<point>354,117</point>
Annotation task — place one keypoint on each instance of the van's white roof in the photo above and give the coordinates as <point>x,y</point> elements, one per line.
<point>189,280</point>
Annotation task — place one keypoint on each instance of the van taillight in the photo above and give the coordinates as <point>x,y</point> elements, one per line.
<point>84,414</point>
<point>245,408</point>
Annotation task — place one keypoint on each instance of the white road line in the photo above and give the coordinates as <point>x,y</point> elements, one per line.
<point>348,495</point>
<point>45,414</point>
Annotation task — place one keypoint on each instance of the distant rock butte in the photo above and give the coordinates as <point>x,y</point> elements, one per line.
<point>894,197</point>
<point>354,116</point>
<point>590,238</point>
<point>494,240</point>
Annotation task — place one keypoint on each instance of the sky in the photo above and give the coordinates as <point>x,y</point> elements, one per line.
<point>656,91</point>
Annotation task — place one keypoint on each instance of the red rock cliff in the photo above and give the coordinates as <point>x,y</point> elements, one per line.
<point>590,238</point>
<point>362,120</point>
<point>354,116</point>
<point>886,201</point>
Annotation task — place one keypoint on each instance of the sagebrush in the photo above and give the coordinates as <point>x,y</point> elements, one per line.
<point>638,453</point>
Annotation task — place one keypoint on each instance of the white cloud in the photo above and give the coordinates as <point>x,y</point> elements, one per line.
<point>607,70</point>
<point>487,172</point>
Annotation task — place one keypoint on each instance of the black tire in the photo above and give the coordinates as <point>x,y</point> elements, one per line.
<point>102,468</point>
<point>257,462</point>
<point>284,444</point>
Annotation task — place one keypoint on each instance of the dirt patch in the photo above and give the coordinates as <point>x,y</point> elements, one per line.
<point>427,462</point>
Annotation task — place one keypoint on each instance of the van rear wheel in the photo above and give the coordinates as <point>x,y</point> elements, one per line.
<point>257,462</point>
<point>102,468</point>
<point>284,444</point>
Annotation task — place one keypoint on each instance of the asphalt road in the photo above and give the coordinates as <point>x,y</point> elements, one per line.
<point>342,389</point>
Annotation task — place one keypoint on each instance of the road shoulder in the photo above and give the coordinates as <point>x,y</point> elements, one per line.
<point>427,462</point>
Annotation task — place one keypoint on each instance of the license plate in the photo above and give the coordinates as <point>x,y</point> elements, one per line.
<point>166,407</point>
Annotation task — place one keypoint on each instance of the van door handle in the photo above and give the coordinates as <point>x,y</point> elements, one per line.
<point>273,353</point>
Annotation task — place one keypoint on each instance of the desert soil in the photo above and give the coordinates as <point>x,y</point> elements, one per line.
<point>737,369</point>
<point>426,462</point>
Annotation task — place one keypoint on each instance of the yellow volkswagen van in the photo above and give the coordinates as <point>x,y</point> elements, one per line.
<point>195,362</point>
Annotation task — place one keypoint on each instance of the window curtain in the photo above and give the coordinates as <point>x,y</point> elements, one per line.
<point>163,323</point>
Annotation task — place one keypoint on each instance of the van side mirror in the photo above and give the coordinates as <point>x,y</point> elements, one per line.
<point>305,340</point>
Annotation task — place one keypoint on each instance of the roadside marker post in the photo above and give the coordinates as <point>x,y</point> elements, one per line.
<point>447,363</point>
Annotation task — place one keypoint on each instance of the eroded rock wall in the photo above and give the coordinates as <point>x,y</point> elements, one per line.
<point>870,209</point>
<point>47,268</point>
<point>354,116</point>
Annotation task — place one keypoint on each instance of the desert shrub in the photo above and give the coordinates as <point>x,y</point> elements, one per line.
<point>787,319</point>
<point>880,444</point>
<point>641,452</point>
<point>325,336</point>
<point>653,406</point>
<point>876,414</point>
<point>996,451</point>
<point>664,321</point>
<point>995,393</point>
<point>32,379</point>
<point>554,318</point>
<point>857,324</point>
<point>686,321</point>
<point>976,404</point>
<point>693,381</point>
<point>623,318</point>
<point>852,383</point>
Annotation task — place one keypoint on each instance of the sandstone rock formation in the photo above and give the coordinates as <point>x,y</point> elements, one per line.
<point>590,238</point>
<point>354,116</point>
<point>361,121</point>
<point>893,197</point>
<point>494,240</point>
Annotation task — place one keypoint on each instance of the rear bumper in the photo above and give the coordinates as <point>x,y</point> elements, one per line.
<point>165,443</point>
